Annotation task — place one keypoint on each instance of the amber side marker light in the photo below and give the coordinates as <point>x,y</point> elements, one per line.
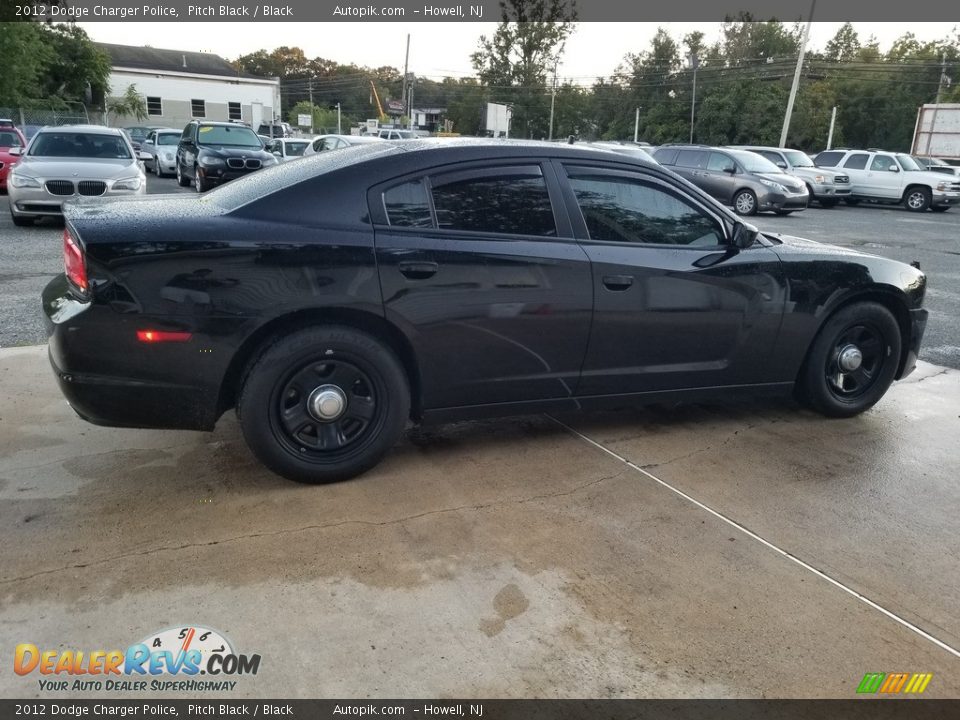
<point>156,336</point>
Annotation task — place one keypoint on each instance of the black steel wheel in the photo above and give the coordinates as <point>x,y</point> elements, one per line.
<point>324,404</point>
<point>852,361</point>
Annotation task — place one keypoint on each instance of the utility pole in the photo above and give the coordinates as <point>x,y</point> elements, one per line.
<point>936,107</point>
<point>406,69</point>
<point>339,132</point>
<point>311,106</point>
<point>553,97</point>
<point>833,120</point>
<point>636,125</point>
<point>796,77</point>
<point>694,63</point>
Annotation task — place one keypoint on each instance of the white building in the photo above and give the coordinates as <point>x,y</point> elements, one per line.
<point>180,86</point>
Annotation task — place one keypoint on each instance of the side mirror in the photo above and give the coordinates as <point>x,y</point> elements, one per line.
<point>144,156</point>
<point>782,165</point>
<point>893,168</point>
<point>277,154</point>
<point>744,235</point>
<point>730,169</point>
<point>16,151</point>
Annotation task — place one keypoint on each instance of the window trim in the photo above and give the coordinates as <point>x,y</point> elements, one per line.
<point>159,100</point>
<point>850,157</point>
<point>580,223</point>
<point>193,108</point>
<point>230,110</point>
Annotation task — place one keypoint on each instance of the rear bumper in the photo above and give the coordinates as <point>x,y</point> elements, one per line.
<point>88,374</point>
<point>918,324</point>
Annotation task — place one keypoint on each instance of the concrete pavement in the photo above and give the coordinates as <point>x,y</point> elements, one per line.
<point>510,558</point>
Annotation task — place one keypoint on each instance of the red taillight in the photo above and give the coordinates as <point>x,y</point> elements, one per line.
<point>73,264</point>
<point>153,336</point>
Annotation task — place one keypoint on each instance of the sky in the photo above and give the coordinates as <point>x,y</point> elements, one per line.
<point>443,49</point>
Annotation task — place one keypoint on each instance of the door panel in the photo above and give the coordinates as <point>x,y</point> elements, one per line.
<point>493,316</point>
<point>695,314</point>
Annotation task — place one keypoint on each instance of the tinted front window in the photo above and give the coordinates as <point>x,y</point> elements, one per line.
<point>882,162</point>
<point>512,201</point>
<point>856,162</point>
<point>233,136</point>
<point>691,158</point>
<point>829,158</point>
<point>9,139</point>
<point>631,211</point>
<point>407,205</point>
<point>79,145</point>
<point>770,155</point>
<point>798,159</point>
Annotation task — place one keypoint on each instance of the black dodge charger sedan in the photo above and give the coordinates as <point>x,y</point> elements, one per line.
<point>332,300</point>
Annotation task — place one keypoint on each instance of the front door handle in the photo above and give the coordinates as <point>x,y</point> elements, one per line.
<point>617,282</point>
<point>418,270</point>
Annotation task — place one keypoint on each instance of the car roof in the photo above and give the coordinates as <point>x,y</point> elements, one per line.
<point>101,129</point>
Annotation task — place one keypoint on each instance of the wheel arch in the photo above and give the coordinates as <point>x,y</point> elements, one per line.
<point>886,295</point>
<point>914,186</point>
<point>287,324</point>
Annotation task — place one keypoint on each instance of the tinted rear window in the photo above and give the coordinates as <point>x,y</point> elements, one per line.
<point>857,161</point>
<point>828,158</point>
<point>665,156</point>
<point>407,205</point>
<point>691,158</point>
<point>511,201</point>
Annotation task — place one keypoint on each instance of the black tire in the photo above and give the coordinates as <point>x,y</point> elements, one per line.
<point>156,166</point>
<point>827,388</point>
<point>182,180</point>
<point>199,184</point>
<point>917,199</point>
<point>940,208</point>
<point>289,438</point>
<point>827,202</point>
<point>852,202</point>
<point>22,220</point>
<point>745,203</point>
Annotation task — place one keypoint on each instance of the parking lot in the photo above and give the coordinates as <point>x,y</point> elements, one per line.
<point>745,550</point>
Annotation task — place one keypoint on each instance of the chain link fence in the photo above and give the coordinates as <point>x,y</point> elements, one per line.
<point>31,119</point>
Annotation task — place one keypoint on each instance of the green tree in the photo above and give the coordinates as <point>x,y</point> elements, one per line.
<point>517,63</point>
<point>25,57</point>
<point>130,104</point>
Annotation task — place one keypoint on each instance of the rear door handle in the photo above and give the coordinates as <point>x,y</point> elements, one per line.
<point>617,282</point>
<point>418,270</point>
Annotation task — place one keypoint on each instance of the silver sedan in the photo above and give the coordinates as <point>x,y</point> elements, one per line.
<point>70,161</point>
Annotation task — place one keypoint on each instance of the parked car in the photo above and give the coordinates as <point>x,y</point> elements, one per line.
<point>392,134</point>
<point>826,187</point>
<point>212,153</point>
<point>69,161</point>
<point>438,280</point>
<point>10,137</point>
<point>326,143</point>
<point>287,149</point>
<point>740,178</point>
<point>630,149</point>
<point>878,176</point>
<point>138,134</point>
<point>277,130</point>
<point>936,165</point>
<point>161,146</point>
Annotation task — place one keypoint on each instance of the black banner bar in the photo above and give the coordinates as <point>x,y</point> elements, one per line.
<point>867,709</point>
<point>469,10</point>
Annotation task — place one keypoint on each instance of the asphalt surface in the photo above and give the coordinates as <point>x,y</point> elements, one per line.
<point>32,255</point>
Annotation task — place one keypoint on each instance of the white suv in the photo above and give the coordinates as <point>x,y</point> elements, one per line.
<point>888,177</point>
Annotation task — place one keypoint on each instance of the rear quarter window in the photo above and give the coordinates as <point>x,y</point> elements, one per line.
<point>665,156</point>
<point>828,159</point>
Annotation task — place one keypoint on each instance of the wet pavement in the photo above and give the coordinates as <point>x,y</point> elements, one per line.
<point>747,550</point>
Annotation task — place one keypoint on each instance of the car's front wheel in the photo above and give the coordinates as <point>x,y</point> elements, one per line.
<point>745,203</point>
<point>852,361</point>
<point>199,183</point>
<point>324,404</point>
<point>156,167</point>
<point>917,199</point>
<point>182,180</point>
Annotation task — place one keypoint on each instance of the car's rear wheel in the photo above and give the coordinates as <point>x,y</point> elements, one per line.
<point>22,220</point>
<point>852,361</point>
<point>182,180</point>
<point>745,203</point>
<point>324,404</point>
<point>917,199</point>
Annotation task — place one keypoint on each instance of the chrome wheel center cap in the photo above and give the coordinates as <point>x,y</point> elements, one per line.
<point>850,358</point>
<point>327,403</point>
